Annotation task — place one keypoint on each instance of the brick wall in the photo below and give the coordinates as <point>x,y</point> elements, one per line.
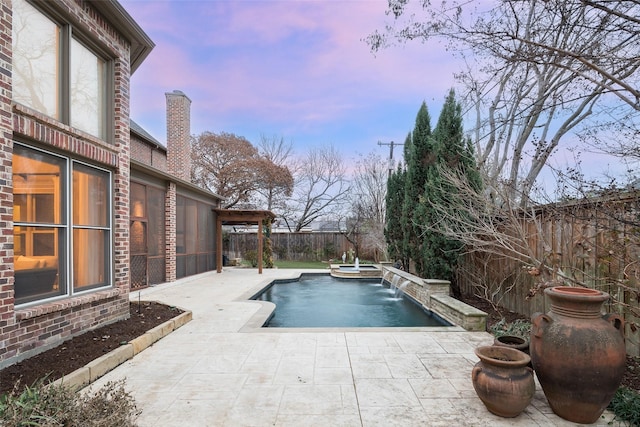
<point>149,154</point>
<point>170,242</point>
<point>178,135</point>
<point>7,317</point>
<point>33,329</point>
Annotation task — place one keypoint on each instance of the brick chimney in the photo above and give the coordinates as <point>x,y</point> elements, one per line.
<point>178,135</point>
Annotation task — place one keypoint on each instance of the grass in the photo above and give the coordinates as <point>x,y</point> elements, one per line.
<point>301,264</point>
<point>293,264</point>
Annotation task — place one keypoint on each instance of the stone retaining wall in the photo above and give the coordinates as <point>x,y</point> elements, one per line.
<point>433,294</point>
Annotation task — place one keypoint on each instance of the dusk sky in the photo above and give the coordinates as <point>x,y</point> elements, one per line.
<point>293,69</point>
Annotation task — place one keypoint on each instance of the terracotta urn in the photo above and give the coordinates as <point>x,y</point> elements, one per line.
<point>502,380</point>
<point>578,353</point>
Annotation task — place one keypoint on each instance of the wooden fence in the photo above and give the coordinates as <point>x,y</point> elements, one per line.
<point>316,246</point>
<point>594,244</point>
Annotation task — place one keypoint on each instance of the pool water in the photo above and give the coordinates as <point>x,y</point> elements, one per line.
<point>326,302</point>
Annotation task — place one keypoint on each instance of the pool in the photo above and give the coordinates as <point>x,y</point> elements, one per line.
<point>322,301</point>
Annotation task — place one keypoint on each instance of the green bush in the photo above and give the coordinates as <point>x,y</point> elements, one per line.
<point>626,406</point>
<point>252,257</point>
<point>519,328</point>
<point>59,405</point>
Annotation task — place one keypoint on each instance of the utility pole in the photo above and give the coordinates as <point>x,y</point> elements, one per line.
<point>391,145</point>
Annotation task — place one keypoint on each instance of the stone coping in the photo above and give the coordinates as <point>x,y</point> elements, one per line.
<point>459,313</point>
<point>93,370</point>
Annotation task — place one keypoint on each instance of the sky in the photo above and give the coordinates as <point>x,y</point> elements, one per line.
<point>293,69</point>
<point>298,70</point>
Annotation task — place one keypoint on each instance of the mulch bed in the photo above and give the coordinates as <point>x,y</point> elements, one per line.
<point>82,349</point>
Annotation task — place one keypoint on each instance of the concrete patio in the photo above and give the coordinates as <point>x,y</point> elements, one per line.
<point>220,369</point>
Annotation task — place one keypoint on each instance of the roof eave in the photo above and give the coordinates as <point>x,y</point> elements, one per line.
<point>141,43</point>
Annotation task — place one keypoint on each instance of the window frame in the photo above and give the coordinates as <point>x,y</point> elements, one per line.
<point>66,226</point>
<point>68,33</point>
<point>107,229</point>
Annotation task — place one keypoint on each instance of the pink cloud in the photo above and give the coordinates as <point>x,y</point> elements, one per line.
<point>300,65</point>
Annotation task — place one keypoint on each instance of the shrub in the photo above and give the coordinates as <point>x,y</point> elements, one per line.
<point>252,257</point>
<point>626,406</point>
<point>519,328</point>
<point>59,405</point>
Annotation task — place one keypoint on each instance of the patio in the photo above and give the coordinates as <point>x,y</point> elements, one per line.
<point>218,370</point>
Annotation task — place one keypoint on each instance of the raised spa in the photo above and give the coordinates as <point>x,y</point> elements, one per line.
<point>322,301</point>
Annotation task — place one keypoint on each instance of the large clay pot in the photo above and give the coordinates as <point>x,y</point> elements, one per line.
<point>578,354</point>
<point>502,380</point>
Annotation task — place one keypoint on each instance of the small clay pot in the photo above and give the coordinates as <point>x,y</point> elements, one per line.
<point>503,380</point>
<point>512,341</point>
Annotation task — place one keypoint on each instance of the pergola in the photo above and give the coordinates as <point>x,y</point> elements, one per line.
<point>239,217</point>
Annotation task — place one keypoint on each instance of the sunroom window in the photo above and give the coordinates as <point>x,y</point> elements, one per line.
<point>62,226</point>
<point>57,73</point>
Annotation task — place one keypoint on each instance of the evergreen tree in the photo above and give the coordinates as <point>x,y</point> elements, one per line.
<point>454,152</point>
<point>419,159</point>
<point>393,228</point>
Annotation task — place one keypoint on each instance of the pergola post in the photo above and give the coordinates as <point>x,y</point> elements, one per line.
<point>259,247</point>
<point>218,244</point>
<point>240,217</point>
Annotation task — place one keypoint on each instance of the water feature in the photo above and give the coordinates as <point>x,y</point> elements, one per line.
<point>399,290</point>
<point>323,301</point>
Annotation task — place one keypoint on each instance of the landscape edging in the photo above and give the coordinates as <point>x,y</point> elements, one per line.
<point>93,370</point>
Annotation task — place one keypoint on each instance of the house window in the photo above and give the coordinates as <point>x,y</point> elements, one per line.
<point>57,73</point>
<point>62,225</point>
<point>88,90</point>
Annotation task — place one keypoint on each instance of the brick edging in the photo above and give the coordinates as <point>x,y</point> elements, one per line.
<point>93,370</point>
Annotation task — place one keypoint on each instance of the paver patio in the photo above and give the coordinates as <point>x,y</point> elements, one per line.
<point>218,370</point>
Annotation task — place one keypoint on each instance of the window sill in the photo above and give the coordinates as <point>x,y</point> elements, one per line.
<point>44,129</point>
<point>52,307</point>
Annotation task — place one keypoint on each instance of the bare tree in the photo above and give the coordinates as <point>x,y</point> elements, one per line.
<point>276,149</point>
<point>507,246</point>
<point>537,71</point>
<point>320,188</point>
<point>230,166</point>
<point>366,220</point>
<point>279,152</point>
